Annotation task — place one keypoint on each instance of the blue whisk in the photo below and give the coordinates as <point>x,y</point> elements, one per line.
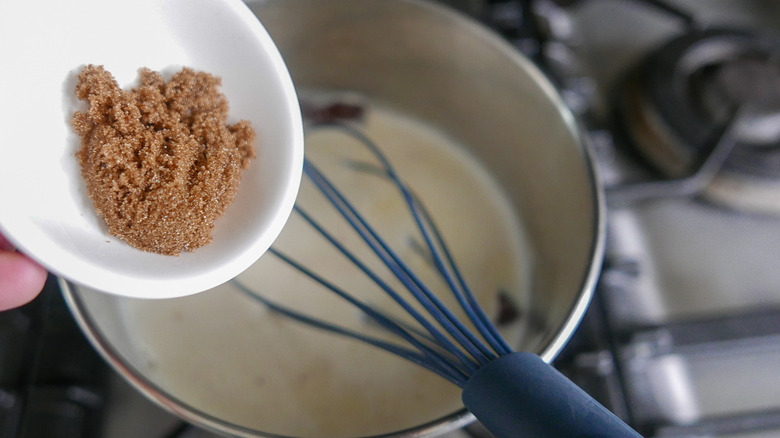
<point>513,394</point>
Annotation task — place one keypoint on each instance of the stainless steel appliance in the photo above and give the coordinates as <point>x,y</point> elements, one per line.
<point>681,100</point>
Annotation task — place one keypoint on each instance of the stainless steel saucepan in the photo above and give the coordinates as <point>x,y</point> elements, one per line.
<point>224,363</point>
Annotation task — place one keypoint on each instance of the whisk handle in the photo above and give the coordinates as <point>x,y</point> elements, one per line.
<point>520,395</point>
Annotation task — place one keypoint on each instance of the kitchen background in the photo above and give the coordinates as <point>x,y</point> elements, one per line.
<point>681,101</point>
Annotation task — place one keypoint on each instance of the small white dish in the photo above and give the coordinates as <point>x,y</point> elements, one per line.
<point>44,208</point>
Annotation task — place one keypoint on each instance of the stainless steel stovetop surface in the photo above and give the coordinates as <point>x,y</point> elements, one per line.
<point>690,289</point>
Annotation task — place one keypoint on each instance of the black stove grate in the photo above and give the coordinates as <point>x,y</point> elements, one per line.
<point>52,383</point>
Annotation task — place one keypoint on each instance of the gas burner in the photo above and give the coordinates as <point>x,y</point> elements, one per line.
<point>698,88</point>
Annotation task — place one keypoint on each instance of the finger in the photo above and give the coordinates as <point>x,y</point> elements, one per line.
<point>5,245</point>
<point>21,279</point>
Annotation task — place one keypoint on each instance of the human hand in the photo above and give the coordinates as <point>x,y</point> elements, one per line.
<point>21,278</point>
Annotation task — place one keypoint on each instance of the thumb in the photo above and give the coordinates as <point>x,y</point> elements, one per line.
<point>21,279</point>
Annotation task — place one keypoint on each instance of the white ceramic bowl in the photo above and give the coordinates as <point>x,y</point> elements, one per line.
<point>45,210</point>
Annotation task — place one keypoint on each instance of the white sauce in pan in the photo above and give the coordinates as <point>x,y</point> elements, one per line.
<point>228,356</point>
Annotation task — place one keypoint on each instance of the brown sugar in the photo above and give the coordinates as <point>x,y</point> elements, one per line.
<point>160,162</point>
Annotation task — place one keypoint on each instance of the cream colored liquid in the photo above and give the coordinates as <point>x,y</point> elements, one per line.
<point>228,356</point>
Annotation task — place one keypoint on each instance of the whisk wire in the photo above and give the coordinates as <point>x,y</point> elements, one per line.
<point>457,352</point>
<point>427,358</point>
<point>463,294</point>
<point>430,302</point>
<point>437,334</point>
<point>449,271</point>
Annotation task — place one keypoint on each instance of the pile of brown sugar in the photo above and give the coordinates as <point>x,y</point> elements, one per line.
<point>160,162</point>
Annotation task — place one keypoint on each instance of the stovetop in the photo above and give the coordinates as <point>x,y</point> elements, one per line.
<point>683,336</point>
